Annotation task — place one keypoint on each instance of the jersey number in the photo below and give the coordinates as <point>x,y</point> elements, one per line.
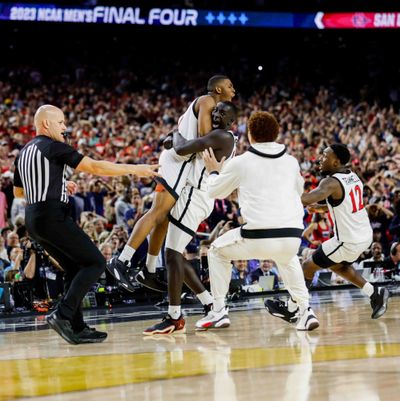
<point>356,194</point>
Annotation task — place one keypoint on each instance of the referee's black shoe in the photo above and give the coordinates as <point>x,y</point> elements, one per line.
<point>62,326</point>
<point>379,300</point>
<point>120,270</point>
<point>90,335</point>
<point>150,280</point>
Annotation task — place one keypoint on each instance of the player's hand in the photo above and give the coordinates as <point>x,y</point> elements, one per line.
<point>316,208</point>
<point>210,162</point>
<point>146,170</point>
<point>72,187</point>
<point>168,142</point>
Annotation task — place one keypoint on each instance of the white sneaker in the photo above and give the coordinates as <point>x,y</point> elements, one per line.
<point>307,321</point>
<point>214,320</point>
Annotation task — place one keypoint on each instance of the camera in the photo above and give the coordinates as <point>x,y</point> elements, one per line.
<point>35,246</point>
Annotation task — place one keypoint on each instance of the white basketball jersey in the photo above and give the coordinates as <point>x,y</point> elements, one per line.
<point>349,215</point>
<point>198,174</point>
<point>188,122</point>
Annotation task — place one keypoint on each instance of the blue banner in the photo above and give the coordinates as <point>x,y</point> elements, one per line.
<point>193,17</point>
<point>154,16</point>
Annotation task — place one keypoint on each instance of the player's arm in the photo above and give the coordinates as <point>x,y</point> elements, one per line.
<point>327,187</point>
<point>213,140</point>
<point>206,105</point>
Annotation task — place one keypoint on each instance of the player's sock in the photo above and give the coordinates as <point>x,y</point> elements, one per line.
<point>174,311</point>
<point>126,254</point>
<point>368,289</point>
<point>151,263</point>
<point>205,298</point>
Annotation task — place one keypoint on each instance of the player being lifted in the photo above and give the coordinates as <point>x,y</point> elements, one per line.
<point>196,121</point>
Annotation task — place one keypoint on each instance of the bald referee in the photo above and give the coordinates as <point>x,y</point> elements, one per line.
<point>41,177</point>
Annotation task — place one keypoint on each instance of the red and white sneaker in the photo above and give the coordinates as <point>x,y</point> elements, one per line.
<point>167,326</point>
<point>214,320</point>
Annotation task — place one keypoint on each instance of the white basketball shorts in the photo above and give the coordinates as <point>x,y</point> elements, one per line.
<point>174,171</point>
<point>192,207</point>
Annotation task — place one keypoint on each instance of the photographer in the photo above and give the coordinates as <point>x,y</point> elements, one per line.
<point>42,270</point>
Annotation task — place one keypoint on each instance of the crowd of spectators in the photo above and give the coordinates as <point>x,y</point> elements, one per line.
<point>127,126</point>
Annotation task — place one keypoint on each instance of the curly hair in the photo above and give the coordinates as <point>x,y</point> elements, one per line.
<point>263,126</point>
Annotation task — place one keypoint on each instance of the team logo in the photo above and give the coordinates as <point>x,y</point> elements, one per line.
<point>359,20</point>
<point>351,180</point>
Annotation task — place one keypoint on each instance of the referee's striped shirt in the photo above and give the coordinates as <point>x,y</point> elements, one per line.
<point>41,169</point>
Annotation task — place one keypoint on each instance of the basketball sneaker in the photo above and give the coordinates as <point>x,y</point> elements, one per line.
<point>307,321</point>
<point>379,300</point>
<point>150,280</point>
<point>120,271</point>
<point>279,309</point>
<point>214,320</point>
<point>167,326</point>
<point>90,335</point>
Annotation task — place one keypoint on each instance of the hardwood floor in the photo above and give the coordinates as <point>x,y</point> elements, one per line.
<point>350,357</point>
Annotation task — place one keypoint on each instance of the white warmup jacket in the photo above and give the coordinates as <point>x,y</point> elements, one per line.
<point>270,187</point>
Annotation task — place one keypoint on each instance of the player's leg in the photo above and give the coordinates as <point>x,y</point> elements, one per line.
<point>378,296</point>
<point>181,230</point>
<point>119,266</point>
<point>147,276</point>
<point>335,255</point>
<point>284,252</point>
<point>230,246</point>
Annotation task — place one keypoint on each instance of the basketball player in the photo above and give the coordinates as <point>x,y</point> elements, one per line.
<point>269,186</point>
<point>193,206</point>
<point>196,121</point>
<point>343,191</point>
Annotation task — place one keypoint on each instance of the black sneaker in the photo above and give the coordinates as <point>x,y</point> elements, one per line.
<point>120,271</point>
<point>379,300</point>
<point>62,326</point>
<point>279,309</point>
<point>207,308</point>
<point>150,280</point>
<point>167,326</point>
<point>90,335</point>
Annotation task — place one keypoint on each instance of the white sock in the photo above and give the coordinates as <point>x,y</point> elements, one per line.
<point>219,304</point>
<point>292,305</point>
<point>368,289</point>
<point>127,254</point>
<point>151,263</point>
<point>205,298</point>
<point>174,311</point>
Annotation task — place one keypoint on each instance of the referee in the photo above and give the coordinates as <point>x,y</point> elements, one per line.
<point>41,177</point>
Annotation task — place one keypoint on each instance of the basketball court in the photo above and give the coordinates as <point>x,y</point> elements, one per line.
<point>350,357</point>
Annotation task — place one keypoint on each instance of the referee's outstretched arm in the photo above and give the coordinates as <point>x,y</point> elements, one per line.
<point>101,167</point>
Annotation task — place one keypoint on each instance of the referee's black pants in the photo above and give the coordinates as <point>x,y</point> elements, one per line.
<point>50,224</point>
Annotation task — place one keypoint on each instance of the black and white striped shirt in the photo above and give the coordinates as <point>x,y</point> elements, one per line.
<point>41,169</point>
